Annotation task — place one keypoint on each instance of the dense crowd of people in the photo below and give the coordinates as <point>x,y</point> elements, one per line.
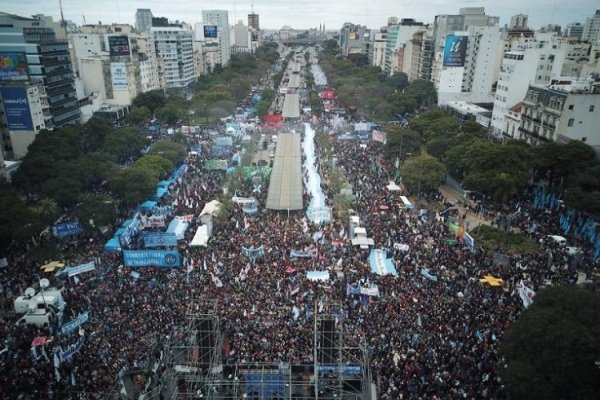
<point>425,338</point>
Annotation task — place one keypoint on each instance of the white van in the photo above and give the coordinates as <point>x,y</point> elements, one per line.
<point>52,298</point>
<point>40,318</point>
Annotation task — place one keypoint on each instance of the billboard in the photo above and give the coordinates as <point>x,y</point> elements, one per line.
<point>13,67</point>
<point>16,108</point>
<point>455,50</point>
<point>147,258</point>
<point>118,45</point>
<point>118,72</point>
<point>210,31</point>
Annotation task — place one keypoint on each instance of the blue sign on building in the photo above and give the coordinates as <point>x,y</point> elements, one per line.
<point>66,229</point>
<point>151,258</point>
<point>16,108</point>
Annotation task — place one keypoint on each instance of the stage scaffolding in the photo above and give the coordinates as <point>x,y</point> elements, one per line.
<point>191,366</point>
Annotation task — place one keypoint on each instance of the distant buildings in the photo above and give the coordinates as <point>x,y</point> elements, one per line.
<point>173,45</point>
<point>143,19</point>
<point>591,28</point>
<point>215,36</point>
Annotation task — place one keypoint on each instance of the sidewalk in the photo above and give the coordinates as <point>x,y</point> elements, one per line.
<point>457,199</point>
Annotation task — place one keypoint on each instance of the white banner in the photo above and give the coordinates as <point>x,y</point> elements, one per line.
<point>370,291</point>
<point>118,72</point>
<point>79,269</point>
<point>526,294</point>
<point>3,262</point>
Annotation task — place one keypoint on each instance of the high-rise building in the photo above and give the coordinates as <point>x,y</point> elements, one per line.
<point>354,39</point>
<point>216,35</point>
<point>45,71</point>
<point>518,22</point>
<point>591,28</point>
<point>574,30</point>
<point>143,20</point>
<point>398,51</point>
<point>174,50</point>
<point>253,21</point>
<point>377,55</point>
<point>422,45</point>
<point>241,38</point>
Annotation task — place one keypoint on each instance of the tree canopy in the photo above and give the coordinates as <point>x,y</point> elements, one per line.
<point>553,350</point>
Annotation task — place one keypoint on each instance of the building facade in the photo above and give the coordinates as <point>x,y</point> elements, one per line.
<point>143,20</point>
<point>591,28</point>
<point>216,35</point>
<point>173,46</point>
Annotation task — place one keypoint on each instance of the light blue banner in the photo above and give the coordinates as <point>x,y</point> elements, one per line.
<point>158,239</point>
<point>151,258</point>
<point>66,229</point>
<point>381,264</point>
<point>74,323</point>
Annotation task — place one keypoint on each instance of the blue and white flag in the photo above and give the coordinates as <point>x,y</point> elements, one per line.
<point>79,269</point>
<point>381,264</point>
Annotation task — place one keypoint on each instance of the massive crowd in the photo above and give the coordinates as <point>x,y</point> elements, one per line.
<point>425,339</point>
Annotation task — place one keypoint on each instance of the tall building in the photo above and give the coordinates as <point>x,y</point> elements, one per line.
<point>518,22</point>
<point>591,28</point>
<point>43,69</point>
<point>354,39</point>
<point>377,55</point>
<point>574,30</point>
<point>253,21</point>
<point>241,38</point>
<point>143,20</point>
<point>398,54</point>
<point>422,45</point>
<point>174,50</point>
<point>216,34</point>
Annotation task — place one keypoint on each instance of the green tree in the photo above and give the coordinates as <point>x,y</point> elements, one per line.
<point>175,152</point>
<point>422,173</point>
<point>423,92</point>
<point>158,165</point>
<point>169,113</point>
<point>138,114</point>
<point>47,210</point>
<point>97,207</point>
<point>400,142</point>
<point>435,122</point>
<point>402,103</point>
<point>94,133</point>
<point>398,81</point>
<point>64,189</point>
<point>133,185</point>
<point>153,100</point>
<point>125,144</point>
<point>552,351</point>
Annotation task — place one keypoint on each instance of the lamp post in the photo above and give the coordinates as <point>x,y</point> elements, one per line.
<point>482,204</point>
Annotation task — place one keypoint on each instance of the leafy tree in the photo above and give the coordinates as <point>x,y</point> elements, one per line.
<point>94,133</point>
<point>398,81</point>
<point>173,151</point>
<point>64,189</point>
<point>402,103</point>
<point>98,207</point>
<point>158,165</point>
<point>422,173</point>
<point>153,100</point>
<point>400,142</point>
<point>434,122</point>
<point>423,92</point>
<point>133,185</point>
<point>138,114</point>
<point>47,210</point>
<point>358,59</point>
<point>552,351</point>
<point>93,168</point>
<point>124,144</point>
<point>15,217</point>
<point>169,113</point>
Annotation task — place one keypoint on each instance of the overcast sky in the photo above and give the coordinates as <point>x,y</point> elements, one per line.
<point>306,13</point>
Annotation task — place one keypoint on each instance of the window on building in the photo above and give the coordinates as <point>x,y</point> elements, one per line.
<point>571,122</point>
<point>571,107</point>
<point>591,109</point>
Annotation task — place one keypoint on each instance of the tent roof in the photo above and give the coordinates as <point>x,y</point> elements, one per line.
<point>201,237</point>
<point>291,106</point>
<point>285,186</point>
<point>212,208</point>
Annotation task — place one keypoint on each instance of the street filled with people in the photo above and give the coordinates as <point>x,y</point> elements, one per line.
<point>431,330</point>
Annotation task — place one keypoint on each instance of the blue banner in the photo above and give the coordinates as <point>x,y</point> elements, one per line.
<point>66,229</point>
<point>151,258</point>
<point>65,355</point>
<point>74,323</point>
<point>158,239</point>
<point>16,108</point>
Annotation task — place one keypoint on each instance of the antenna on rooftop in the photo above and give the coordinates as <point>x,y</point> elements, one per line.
<point>62,17</point>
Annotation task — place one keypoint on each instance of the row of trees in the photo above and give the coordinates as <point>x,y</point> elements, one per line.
<point>376,95</point>
<point>94,169</point>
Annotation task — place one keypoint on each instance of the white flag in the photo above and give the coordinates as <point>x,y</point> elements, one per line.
<point>526,294</point>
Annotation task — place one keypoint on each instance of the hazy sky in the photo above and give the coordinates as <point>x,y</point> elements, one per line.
<point>307,13</point>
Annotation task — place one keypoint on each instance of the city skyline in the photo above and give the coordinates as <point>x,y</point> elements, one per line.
<point>275,14</point>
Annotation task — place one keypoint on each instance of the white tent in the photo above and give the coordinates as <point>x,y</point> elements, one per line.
<point>201,237</point>
<point>211,208</point>
<point>392,187</point>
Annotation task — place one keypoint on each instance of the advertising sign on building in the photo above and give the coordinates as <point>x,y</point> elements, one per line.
<point>13,67</point>
<point>455,50</point>
<point>118,45</point>
<point>119,76</point>
<point>210,31</point>
<point>16,108</point>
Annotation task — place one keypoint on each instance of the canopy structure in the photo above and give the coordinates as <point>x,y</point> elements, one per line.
<point>491,280</point>
<point>113,245</point>
<point>291,106</point>
<point>147,205</point>
<point>51,266</point>
<point>285,186</point>
<point>211,208</point>
<point>294,82</point>
<point>392,187</point>
<point>178,227</point>
<point>201,237</point>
